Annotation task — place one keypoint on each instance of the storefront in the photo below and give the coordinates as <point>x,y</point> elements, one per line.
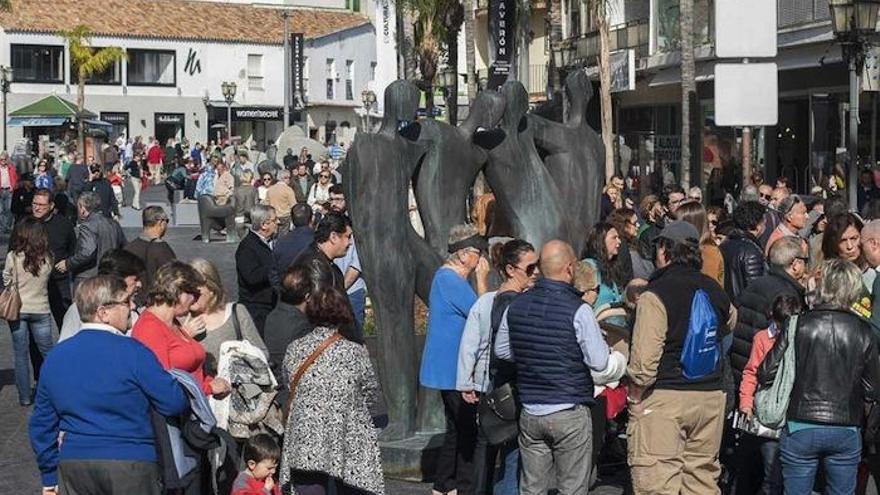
<point>119,121</point>
<point>169,125</point>
<point>256,124</point>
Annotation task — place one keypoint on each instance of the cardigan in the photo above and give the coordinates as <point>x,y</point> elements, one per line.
<point>33,290</point>
<point>172,349</point>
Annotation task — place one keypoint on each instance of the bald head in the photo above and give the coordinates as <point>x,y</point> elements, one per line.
<point>557,261</point>
<point>871,230</point>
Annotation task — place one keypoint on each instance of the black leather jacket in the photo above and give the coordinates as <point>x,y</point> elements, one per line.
<point>837,367</point>
<point>743,261</point>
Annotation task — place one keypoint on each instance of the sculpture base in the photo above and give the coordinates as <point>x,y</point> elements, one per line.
<point>413,458</point>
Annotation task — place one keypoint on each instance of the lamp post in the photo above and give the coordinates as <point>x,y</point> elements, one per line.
<point>228,90</point>
<point>855,25</point>
<point>5,83</point>
<point>368,98</point>
<point>447,80</point>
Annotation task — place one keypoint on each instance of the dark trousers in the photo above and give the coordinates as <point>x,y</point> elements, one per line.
<point>59,298</point>
<point>93,477</point>
<point>455,462</point>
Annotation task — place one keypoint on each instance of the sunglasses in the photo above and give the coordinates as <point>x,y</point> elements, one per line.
<point>713,222</point>
<point>324,176</point>
<point>529,270</point>
<point>267,178</point>
<point>766,196</point>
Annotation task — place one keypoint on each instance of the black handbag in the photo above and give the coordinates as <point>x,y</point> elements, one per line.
<point>498,415</point>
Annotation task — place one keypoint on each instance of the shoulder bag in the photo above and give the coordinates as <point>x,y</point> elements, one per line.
<point>10,299</point>
<point>498,409</point>
<point>771,403</point>
<point>305,366</point>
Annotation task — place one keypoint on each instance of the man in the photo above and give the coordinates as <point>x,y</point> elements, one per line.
<point>149,246</point>
<point>743,257</point>
<point>793,212</point>
<point>302,183</point>
<point>8,181</point>
<point>62,242</point>
<point>765,194</point>
<point>155,159</point>
<point>675,421</point>
<point>289,160</point>
<point>554,340</point>
<point>281,197</point>
<point>867,190</point>
<point>254,263</point>
<point>674,198</point>
<point>871,252</point>
<point>350,264</point>
<point>332,239</point>
<point>289,247</point>
<point>118,263</point>
<point>95,397</point>
<point>95,235</point>
<point>133,169</point>
<point>772,217</point>
<point>288,322</point>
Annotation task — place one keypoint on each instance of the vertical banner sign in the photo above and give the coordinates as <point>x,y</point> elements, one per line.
<point>502,30</point>
<point>296,65</point>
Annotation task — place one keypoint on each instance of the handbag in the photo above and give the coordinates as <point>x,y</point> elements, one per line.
<point>294,381</point>
<point>10,299</point>
<point>498,409</point>
<point>771,403</point>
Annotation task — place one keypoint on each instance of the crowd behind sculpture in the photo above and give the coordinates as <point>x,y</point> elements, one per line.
<point>577,364</point>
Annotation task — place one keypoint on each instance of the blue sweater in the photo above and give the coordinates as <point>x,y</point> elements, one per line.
<point>97,387</point>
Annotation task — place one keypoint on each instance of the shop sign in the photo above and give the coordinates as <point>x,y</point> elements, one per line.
<point>115,117</point>
<point>623,71</point>
<point>246,113</point>
<point>667,148</point>
<point>169,118</point>
<point>502,30</point>
<point>297,41</point>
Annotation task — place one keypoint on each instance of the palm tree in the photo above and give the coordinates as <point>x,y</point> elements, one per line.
<point>554,21</point>
<point>599,13</point>
<point>87,61</point>
<point>688,86</point>
<point>470,54</point>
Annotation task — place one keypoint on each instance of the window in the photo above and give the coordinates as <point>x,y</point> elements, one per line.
<point>349,80</point>
<point>152,68</point>
<point>255,71</point>
<point>112,75</point>
<point>331,78</point>
<point>37,63</point>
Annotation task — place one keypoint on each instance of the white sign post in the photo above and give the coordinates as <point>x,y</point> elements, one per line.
<point>746,94</point>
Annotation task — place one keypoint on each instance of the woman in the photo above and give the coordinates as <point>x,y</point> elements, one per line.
<point>329,438</point>
<point>320,191</point>
<point>449,303</point>
<point>603,253</point>
<point>626,222</point>
<point>842,237</point>
<point>713,263</point>
<point>263,189</point>
<point>836,372</point>
<point>44,179</point>
<point>28,266</point>
<point>217,316</point>
<point>176,286</point>
<point>715,215</point>
<point>517,263</point>
<point>101,186</point>
<point>652,213</point>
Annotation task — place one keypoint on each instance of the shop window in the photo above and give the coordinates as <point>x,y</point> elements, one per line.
<point>305,73</point>
<point>331,78</point>
<point>152,68</point>
<point>110,75</point>
<point>349,80</point>
<point>37,63</point>
<point>255,71</point>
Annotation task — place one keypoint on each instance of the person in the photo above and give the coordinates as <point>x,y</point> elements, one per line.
<point>289,246</point>
<point>553,339</point>
<point>62,242</point>
<point>693,213</point>
<point>220,320</point>
<point>841,238</point>
<point>262,187</point>
<point>675,196</point>
<point>254,263</point>
<point>287,321</point>
<point>793,213</point>
<point>696,194</point>
<point>783,307</point>
<point>836,371</point>
<point>449,302</point>
<point>28,267</point>
<point>118,263</point>
<point>289,160</point>
<point>479,371</point>
<point>302,182</point>
<point>603,253</point>
<point>108,441</point>
<point>245,197</point>
<point>743,257</point>
<point>626,223</point>
<point>176,286</point>
<point>8,183</point>
<point>77,178</point>
<point>870,239</point>
<point>224,184</point>
<point>281,197</point>
<point>261,456</point>
<point>134,171</point>
<point>95,235</point>
<point>176,180</point>
<point>205,182</point>
<point>44,180</point>
<point>612,196</point>
<point>100,186</point>
<point>330,441</point>
<point>22,197</point>
<point>653,213</point>
<point>350,264</point>
<point>150,245</point>
<point>331,241</point>
<point>867,191</point>
<point>772,216</point>
<point>675,422</point>
<point>319,194</point>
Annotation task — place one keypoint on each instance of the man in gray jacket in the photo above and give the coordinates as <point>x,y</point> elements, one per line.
<point>95,235</point>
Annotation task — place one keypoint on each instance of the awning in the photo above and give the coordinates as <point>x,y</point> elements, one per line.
<point>705,72</point>
<point>35,121</point>
<point>98,123</point>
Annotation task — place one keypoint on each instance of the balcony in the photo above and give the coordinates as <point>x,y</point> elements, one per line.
<point>537,80</point>
<point>633,35</point>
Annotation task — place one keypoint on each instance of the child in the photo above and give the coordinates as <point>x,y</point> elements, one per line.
<point>262,455</point>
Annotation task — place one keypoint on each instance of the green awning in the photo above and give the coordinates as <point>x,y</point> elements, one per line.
<point>51,106</point>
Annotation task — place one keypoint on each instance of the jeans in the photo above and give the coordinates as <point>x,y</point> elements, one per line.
<point>358,301</point>
<point>507,477</point>
<point>6,219</point>
<point>561,442</point>
<point>455,461</point>
<point>40,326</point>
<point>839,450</point>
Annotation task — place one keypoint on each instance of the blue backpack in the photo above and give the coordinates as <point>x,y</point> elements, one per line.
<point>702,350</point>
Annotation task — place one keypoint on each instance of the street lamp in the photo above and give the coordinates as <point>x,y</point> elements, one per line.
<point>5,83</point>
<point>228,90</point>
<point>855,25</point>
<point>368,98</point>
<point>447,81</point>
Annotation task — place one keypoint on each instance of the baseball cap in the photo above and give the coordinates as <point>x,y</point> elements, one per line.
<point>679,232</point>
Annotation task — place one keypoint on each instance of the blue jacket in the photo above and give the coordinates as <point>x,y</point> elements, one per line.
<point>98,387</point>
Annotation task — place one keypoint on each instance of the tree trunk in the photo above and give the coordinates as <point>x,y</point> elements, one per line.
<point>554,17</point>
<point>452,91</point>
<point>80,106</point>
<point>470,51</point>
<point>408,45</point>
<point>605,90</point>
<point>688,87</point>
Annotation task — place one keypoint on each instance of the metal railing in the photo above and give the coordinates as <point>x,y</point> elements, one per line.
<point>537,78</point>
<point>631,35</point>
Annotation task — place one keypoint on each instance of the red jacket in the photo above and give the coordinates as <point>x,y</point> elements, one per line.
<point>155,154</point>
<point>245,484</point>
<point>13,175</point>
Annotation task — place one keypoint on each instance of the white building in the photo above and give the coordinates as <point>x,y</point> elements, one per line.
<point>179,52</point>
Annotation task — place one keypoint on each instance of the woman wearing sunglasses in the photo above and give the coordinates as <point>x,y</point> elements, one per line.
<point>517,263</point>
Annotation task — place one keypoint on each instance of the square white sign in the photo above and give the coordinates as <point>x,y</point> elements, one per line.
<point>745,28</point>
<point>746,94</point>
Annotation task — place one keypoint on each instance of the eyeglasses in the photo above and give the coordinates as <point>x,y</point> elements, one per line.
<point>766,196</point>
<point>324,176</point>
<point>41,205</point>
<point>713,223</point>
<point>110,304</point>
<point>529,270</point>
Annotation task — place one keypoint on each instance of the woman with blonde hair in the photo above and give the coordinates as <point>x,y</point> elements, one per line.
<point>694,213</point>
